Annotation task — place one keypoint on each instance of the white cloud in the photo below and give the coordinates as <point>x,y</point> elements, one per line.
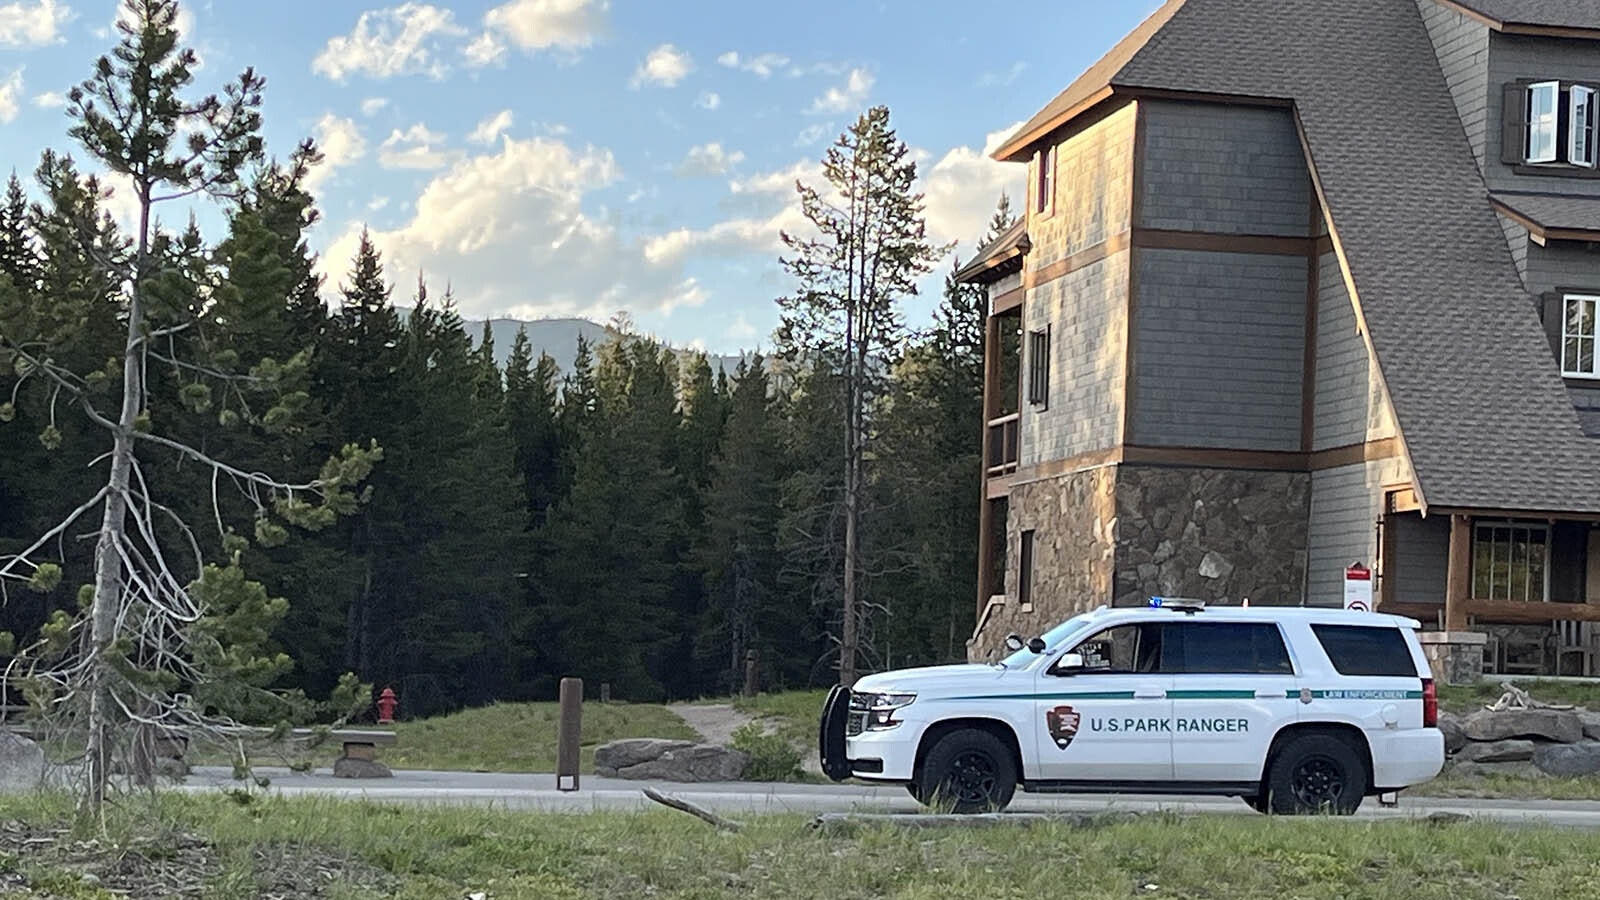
<point>847,97</point>
<point>415,148</point>
<point>490,129</point>
<point>741,329</point>
<point>1002,79</point>
<point>486,49</point>
<point>763,65</point>
<point>401,40</point>
<point>341,144</point>
<point>708,100</point>
<point>666,65</point>
<point>540,24</point>
<point>492,219</point>
<point>24,24</point>
<point>766,204</point>
<point>50,100</point>
<point>377,203</point>
<point>10,96</point>
<point>373,105</point>
<point>708,159</point>
<point>962,187</point>
<point>812,133</point>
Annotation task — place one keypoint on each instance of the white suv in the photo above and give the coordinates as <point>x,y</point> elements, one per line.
<point>1295,710</point>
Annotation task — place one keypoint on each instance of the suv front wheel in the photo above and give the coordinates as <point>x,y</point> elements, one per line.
<point>968,771</point>
<point>1315,773</point>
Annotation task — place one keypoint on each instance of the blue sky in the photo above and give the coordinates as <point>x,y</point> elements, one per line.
<point>590,157</point>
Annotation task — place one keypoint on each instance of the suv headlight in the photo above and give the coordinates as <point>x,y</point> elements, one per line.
<point>880,708</point>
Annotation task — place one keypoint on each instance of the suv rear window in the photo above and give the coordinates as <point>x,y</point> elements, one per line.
<point>1366,650</point>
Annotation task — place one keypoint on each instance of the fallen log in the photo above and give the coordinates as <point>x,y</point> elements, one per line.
<point>698,812</point>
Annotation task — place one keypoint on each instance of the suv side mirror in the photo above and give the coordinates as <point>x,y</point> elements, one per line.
<point>1036,645</point>
<point>1014,642</point>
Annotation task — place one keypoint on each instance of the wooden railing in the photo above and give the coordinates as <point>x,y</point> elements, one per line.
<point>1502,612</point>
<point>1003,444</point>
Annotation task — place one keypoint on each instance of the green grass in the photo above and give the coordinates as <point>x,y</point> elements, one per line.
<point>793,714</point>
<point>432,852</point>
<point>1461,699</point>
<point>504,737</point>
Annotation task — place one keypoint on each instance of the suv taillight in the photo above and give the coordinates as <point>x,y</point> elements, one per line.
<point>1430,704</point>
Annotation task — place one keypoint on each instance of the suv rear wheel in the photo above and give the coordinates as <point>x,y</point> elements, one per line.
<point>968,771</point>
<point>1316,773</point>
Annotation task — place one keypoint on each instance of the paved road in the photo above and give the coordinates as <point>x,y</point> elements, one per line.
<point>538,792</point>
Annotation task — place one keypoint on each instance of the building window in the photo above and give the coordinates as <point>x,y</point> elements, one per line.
<point>1544,103</point>
<point>1577,336</point>
<point>1047,182</point>
<point>1550,123</point>
<point>1510,561</point>
<point>1039,367</point>
<point>1025,571</point>
<point>1581,113</point>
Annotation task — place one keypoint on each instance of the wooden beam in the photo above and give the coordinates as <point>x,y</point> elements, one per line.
<point>1401,500</point>
<point>1426,613</point>
<point>1530,612</point>
<point>1458,586</point>
<point>1386,560</point>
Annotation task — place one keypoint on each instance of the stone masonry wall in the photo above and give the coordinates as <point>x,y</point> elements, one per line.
<point>1073,520</point>
<point>1213,534</point>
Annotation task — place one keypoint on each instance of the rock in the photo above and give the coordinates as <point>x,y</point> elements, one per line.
<point>21,764</point>
<point>608,758</point>
<point>1570,760</point>
<point>1455,737</point>
<point>1497,751</point>
<point>658,760</point>
<point>1559,725</point>
<point>1215,565</point>
<point>1591,724</point>
<point>1515,769</point>
<point>348,767</point>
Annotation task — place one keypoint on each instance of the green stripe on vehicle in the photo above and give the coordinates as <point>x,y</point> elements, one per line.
<point>1070,695</point>
<point>1212,695</point>
<point>1360,694</point>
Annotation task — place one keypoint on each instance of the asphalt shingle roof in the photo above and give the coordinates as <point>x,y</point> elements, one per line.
<point>1545,13</point>
<point>1004,243</point>
<point>1483,412</point>
<point>1553,212</point>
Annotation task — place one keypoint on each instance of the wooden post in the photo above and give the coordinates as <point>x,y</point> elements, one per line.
<point>569,730</point>
<point>752,672</point>
<point>991,406</point>
<point>1458,587</point>
<point>605,692</point>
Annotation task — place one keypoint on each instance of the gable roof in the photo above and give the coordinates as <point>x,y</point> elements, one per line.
<point>998,258</point>
<point>1483,413</point>
<point>1534,16</point>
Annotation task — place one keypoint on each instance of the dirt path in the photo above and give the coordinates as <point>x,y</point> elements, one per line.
<point>716,722</point>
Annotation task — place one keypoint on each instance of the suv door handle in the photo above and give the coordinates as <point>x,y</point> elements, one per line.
<point>1270,695</point>
<point>1148,693</point>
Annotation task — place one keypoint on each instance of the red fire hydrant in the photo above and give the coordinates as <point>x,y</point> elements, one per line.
<point>386,704</point>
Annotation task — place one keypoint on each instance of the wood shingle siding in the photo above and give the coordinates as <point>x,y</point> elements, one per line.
<point>1223,170</point>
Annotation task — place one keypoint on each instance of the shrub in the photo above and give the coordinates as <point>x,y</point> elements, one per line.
<point>772,758</point>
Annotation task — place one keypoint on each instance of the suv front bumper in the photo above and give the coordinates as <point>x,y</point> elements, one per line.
<point>877,755</point>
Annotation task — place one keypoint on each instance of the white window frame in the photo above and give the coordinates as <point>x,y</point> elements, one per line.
<point>1543,144</point>
<point>1580,126</point>
<point>1571,361</point>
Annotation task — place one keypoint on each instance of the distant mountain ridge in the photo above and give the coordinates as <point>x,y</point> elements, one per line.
<point>559,338</point>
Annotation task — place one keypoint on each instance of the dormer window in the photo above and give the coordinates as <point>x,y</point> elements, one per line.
<point>1550,123</point>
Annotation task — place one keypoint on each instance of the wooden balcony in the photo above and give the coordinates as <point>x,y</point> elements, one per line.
<point>1002,451</point>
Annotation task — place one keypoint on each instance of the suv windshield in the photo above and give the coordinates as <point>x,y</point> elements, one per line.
<point>1052,639</point>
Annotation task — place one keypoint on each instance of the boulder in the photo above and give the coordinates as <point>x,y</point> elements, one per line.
<point>350,767</point>
<point>21,764</point>
<point>617,755</point>
<point>1559,725</point>
<point>1570,760</point>
<point>1519,769</point>
<point>652,760</point>
<point>1591,724</point>
<point>1454,736</point>
<point>1497,751</point>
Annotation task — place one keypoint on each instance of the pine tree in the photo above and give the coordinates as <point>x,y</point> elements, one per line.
<point>870,248</point>
<point>148,637</point>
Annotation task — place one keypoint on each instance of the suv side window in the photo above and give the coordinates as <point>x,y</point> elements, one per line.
<point>1118,650</point>
<point>1227,648</point>
<point>1366,650</point>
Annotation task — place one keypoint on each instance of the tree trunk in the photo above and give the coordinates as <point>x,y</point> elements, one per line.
<point>107,558</point>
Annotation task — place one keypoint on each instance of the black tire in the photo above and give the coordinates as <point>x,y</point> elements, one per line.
<point>968,771</point>
<point>1257,802</point>
<point>915,790</point>
<point>1316,773</point>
